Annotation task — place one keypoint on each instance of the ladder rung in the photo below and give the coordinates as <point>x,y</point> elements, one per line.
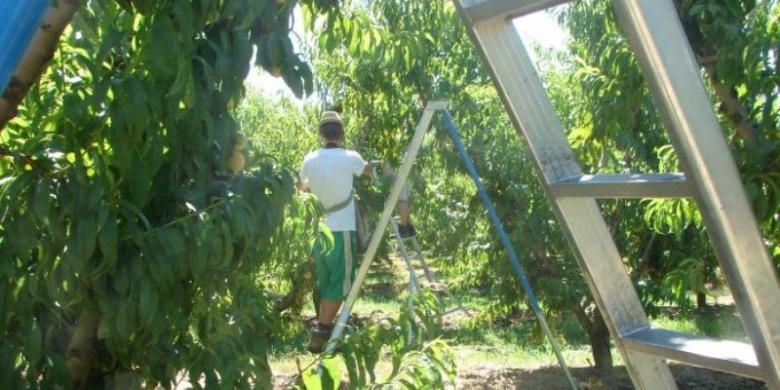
<point>646,185</point>
<point>721,355</point>
<point>479,10</point>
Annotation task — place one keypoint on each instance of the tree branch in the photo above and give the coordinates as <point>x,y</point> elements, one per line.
<point>36,57</point>
<point>729,104</point>
<point>647,255</point>
<point>25,159</point>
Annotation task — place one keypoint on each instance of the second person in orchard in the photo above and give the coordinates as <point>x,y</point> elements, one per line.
<point>328,173</point>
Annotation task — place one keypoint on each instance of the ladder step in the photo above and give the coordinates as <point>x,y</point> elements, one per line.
<point>646,185</point>
<point>458,309</point>
<point>435,287</point>
<point>720,355</point>
<point>479,10</point>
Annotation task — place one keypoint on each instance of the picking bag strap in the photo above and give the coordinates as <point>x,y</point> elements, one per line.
<point>341,205</point>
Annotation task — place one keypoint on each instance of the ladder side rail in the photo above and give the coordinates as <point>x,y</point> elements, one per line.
<point>413,287</point>
<point>654,30</point>
<point>531,111</point>
<point>376,237</point>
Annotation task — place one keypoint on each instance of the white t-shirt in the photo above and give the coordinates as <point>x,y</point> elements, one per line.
<point>329,174</point>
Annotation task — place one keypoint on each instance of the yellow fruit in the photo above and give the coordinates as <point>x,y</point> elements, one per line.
<point>236,161</point>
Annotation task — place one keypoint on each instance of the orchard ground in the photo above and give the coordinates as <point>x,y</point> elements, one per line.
<point>509,354</point>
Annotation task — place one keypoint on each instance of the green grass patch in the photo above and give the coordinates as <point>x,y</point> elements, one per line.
<point>713,321</point>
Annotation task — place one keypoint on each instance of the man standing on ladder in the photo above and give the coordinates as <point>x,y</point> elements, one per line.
<point>329,173</point>
<point>405,227</point>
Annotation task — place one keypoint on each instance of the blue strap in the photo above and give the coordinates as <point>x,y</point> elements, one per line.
<point>508,247</point>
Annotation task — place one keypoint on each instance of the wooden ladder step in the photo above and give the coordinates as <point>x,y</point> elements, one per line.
<point>479,10</point>
<point>721,355</point>
<point>645,185</point>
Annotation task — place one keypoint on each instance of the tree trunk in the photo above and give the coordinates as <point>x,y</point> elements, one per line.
<point>36,57</point>
<point>647,263</point>
<point>730,106</point>
<point>81,349</point>
<point>701,300</point>
<point>302,283</point>
<point>598,335</point>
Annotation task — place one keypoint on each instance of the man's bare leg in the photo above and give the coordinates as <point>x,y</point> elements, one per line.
<point>321,333</point>
<point>404,212</point>
<point>328,311</point>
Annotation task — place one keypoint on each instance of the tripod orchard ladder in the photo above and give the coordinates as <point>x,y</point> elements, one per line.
<point>709,176</point>
<point>385,217</point>
<point>433,282</point>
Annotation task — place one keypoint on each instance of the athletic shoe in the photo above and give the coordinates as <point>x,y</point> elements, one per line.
<point>320,335</point>
<point>407,231</point>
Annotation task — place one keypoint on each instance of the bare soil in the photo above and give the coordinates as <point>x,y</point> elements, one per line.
<point>552,378</point>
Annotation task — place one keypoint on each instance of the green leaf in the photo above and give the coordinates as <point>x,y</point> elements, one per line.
<point>331,375</point>
<point>311,381</point>
<point>144,6</point>
<point>162,54</point>
<point>325,376</point>
<point>84,241</point>
<point>174,250</point>
<point>136,212</point>
<point>41,204</point>
<point>149,299</point>
<point>122,320</point>
<point>183,76</point>
<point>293,80</point>
<point>108,240</point>
<point>34,343</point>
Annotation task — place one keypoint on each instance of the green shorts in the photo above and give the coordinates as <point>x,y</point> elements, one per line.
<point>336,264</point>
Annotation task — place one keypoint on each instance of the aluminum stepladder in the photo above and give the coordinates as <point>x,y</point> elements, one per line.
<point>386,216</point>
<point>433,282</point>
<point>710,177</point>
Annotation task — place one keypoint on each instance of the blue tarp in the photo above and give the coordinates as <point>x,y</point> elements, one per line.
<point>19,19</point>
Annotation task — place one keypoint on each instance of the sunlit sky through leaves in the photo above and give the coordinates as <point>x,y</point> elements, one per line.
<point>539,28</point>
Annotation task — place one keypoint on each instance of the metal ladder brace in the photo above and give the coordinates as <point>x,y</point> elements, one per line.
<point>710,177</point>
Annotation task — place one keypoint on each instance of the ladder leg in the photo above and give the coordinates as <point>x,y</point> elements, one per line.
<point>673,74</point>
<point>428,273</point>
<point>434,280</point>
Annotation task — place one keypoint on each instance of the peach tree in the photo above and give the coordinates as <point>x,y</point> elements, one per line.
<point>128,234</point>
